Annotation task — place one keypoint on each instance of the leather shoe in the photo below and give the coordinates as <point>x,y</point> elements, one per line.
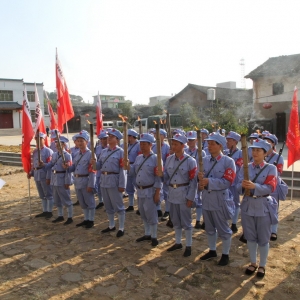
<point>82,223</point>
<point>259,273</point>
<point>209,255</point>
<point>100,205</point>
<point>43,214</point>
<point>250,270</point>
<point>154,242</point>
<point>108,229</point>
<point>175,247</point>
<point>58,219</point>
<point>188,251</point>
<point>144,238</point>
<point>120,233</point>
<point>224,260</point>
<point>69,221</point>
<point>90,224</point>
<point>129,208</point>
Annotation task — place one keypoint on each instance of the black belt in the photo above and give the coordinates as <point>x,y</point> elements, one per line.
<point>255,197</point>
<point>108,173</point>
<point>175,186</point>
<point>56,172</point>
<point>38,168</point>
<point>79,175</point>
<point>131,162</point>
<point>145,186</point>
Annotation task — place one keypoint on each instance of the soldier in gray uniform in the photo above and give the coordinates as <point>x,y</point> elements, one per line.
<point>148,187</point>
<point>60,180</point>
<point>259,210</point>
<point>217,201</point>
<point>180,175</point>
<point>39,172</point>
<point>84,179</point>
<point>113,181</point>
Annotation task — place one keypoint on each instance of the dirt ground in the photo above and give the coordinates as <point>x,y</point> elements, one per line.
<point>42,260</point>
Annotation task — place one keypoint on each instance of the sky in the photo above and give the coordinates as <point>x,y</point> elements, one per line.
<point>142,48</point>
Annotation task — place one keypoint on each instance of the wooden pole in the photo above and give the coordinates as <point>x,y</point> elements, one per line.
<point>245,161</point>
<point>125,144</point>
<point>158,150</point>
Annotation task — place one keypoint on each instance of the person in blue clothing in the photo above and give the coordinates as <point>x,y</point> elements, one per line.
<point>217,201</point>
<point>99,148</point>
<point>133,152</point>
<point>84,179</point>
<point>53,137</point>
<point>60,181</point>
<point>204,135</point>
<point>165,152</point>
<point>259,209</point>
<point>113,181</point>
<point>148,186</point>
<point>236,154</point>
<point>180,176</point>
<point>39,173</point>
<point>273,158</point>
<point>192,150</point>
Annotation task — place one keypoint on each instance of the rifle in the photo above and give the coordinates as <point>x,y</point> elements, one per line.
<point>245,160</point>
<point>38,144</point>
<point>60,147</point>
<point>92,144</point>
<point>279,154</point>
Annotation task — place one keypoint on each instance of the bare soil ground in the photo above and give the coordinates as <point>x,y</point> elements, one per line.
<point>42,260</point>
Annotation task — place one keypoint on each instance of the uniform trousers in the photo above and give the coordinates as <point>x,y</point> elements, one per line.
<point>98,189</point>
<point>45,193</point>
<point>236,199</point>
<point>86,199</point>
<point>147,208</point>
<point>113,200</point>
<point>61,196</point>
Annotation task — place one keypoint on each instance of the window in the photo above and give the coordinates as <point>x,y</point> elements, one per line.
<point>6,95</point>
<point>278,88</point>
<point>32,113</point>
<point>31,96</point>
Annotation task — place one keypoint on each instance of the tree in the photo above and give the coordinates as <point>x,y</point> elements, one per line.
<point>158,109</point>
<point>189,116</point>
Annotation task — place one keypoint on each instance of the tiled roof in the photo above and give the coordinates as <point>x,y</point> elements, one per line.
<point>9,105</point>
<point>281,65</point>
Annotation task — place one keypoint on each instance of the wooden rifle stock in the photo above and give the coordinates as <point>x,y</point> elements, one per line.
<point>92,144</point>
<point>158,150</point>
<point>60,147</point>
<point>245,161</point>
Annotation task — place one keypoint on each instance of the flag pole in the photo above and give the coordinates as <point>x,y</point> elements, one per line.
<point>29,197</point>
<point>292,184</point>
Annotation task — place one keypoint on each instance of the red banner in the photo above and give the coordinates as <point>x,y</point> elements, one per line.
<point>64,106</point>
<point>53,123</point>
<point>99,116</point>
<point>293,135</point>
<point>27,133</point>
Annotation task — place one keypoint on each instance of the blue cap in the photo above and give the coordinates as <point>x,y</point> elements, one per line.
<point>147,137</point>
<point>271,137</point>
<point>177,130</point>
<point>180,138</point>
<point>191,135</point>
<point>151,130</point>
<point>52,133</point>
<point>83,134</point>
<point>254,135</point>
<point>259,143</point>
<point>42,135</point>
<point>233,135</point>
<point>74,137</point>
<point>132,133</point>
<point>265,132</point>
<point>103,134</point>
<point>116,133</point>
<point>217,137</point>
<point>161,131</point>
<point>63,139</point>
<point>204,130</point>
<point>223,130</point>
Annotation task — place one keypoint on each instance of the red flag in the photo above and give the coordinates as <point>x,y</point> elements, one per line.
<point>53,123</point>
<point>39,120</point>
<point>27,133</point>
<point>99,116</point>
<point>293,135</point>
<point>64,106</point>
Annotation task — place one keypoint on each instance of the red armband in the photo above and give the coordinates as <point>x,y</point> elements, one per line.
<point>279,168</point>
<point>192,173</point>
<point>121,162</point>
<point>272,181</point>
<point>49,159</point>
<point>168,154</point>
<point>229,175</point>
<point>90,169</point>
<point>239,162</point>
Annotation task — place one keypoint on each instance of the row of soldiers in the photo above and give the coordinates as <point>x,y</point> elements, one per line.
<point>215,192</point>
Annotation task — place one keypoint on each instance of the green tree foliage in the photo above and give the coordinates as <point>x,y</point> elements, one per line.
<point>189,116</point>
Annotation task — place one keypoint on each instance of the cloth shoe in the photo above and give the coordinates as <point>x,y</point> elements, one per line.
<point>138,212</point>
<point>48,215</point>
<point>144,238</point>
<point>120,233</point>
<point>129,208</point>
<point>159,213</point>
<point>209,255</point>
<point>197,225</point>
<point>43,214</point>
<point>234,228</point>
<point>76,203</point>
<point>69,221</point>
<point>82,223</point>
<point>188,251</point>
<point>169,224</point>
<point>154,242</point>
<point>108,229</point>
<point>58,219</point>
<point>175,247</point>
<point>89,224</point>
<point>165,216</point>
<point>100,205</point>
<point>224,260</point>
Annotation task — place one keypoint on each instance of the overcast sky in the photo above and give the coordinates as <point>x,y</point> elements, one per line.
<point>141,48</point>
